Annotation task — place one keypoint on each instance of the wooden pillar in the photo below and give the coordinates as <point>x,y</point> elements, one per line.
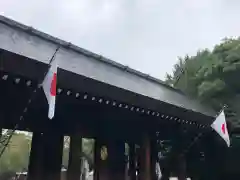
<point>0,130</point>
<point>97,158</point>
<point>53,149</point>
<point>35,168</point>
<point>138,160</point>
<point>104,163</point>
<point>179,158</point>
<point>132,161</point>
<point>213,162</point>
<point>1,124</point>
<point>74,162</point>
<point>116,159</point>
<point>165,169</point>
<point>154,157</point>
<point>181,168</point>
<point>145,159</point>
<point>113,167</point>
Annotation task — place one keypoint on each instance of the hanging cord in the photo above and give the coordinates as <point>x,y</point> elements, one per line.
<point>195,140</point>
<point>186,150</point>
<point>27,105</point>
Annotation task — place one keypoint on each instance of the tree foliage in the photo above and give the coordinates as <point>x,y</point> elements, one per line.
<point>212,77</point>
<point>16,155</point>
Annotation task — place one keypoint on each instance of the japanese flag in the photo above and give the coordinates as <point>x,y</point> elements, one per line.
<point>50,88</point>
<point>220,126</point>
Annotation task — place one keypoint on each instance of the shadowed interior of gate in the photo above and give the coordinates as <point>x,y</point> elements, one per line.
<point>78,112</point>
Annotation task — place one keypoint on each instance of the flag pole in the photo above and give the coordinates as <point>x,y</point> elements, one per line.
<point>49,63</point>
<point>28,103</point>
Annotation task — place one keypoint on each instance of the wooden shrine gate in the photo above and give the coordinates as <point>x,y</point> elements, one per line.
<point>96,98</point>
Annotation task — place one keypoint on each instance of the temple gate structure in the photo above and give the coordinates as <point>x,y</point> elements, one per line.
<point>96,98</point>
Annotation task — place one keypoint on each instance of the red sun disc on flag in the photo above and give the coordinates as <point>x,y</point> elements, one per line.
<point>223,128</point>
<point>54,85</point>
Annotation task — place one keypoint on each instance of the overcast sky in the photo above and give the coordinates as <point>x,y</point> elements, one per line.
<point>147,35</point>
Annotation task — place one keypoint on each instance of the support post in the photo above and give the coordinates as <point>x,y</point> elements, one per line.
<point>104,161</point>
<point>165,171</point>
<point>181,168</point>
<point>154,156</point>
<point>117,159</point>
<point>0,130</point>
<point>132,161</point>
<point>145,159</point>
<point>180,160</point>
<point>1,124</point>
<point>0,134</point>
<point>113,167</point>
<point>97,158</point>
<point>35,168</point>
<point>53,148</point>
<point>74,162</point>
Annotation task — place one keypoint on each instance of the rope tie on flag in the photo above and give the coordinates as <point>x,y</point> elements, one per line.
<point>25,109</point>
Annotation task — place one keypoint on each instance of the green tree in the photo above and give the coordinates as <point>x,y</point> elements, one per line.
<point>212,77</point>
<point>16,155</point>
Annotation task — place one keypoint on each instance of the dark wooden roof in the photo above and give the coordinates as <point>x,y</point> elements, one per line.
<point>35,45</point>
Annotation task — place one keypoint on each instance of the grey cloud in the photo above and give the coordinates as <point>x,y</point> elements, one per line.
<point>147,35</point>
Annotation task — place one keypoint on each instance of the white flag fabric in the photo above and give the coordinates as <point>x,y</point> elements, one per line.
<point>220,126</point>
<point>50,88</point>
